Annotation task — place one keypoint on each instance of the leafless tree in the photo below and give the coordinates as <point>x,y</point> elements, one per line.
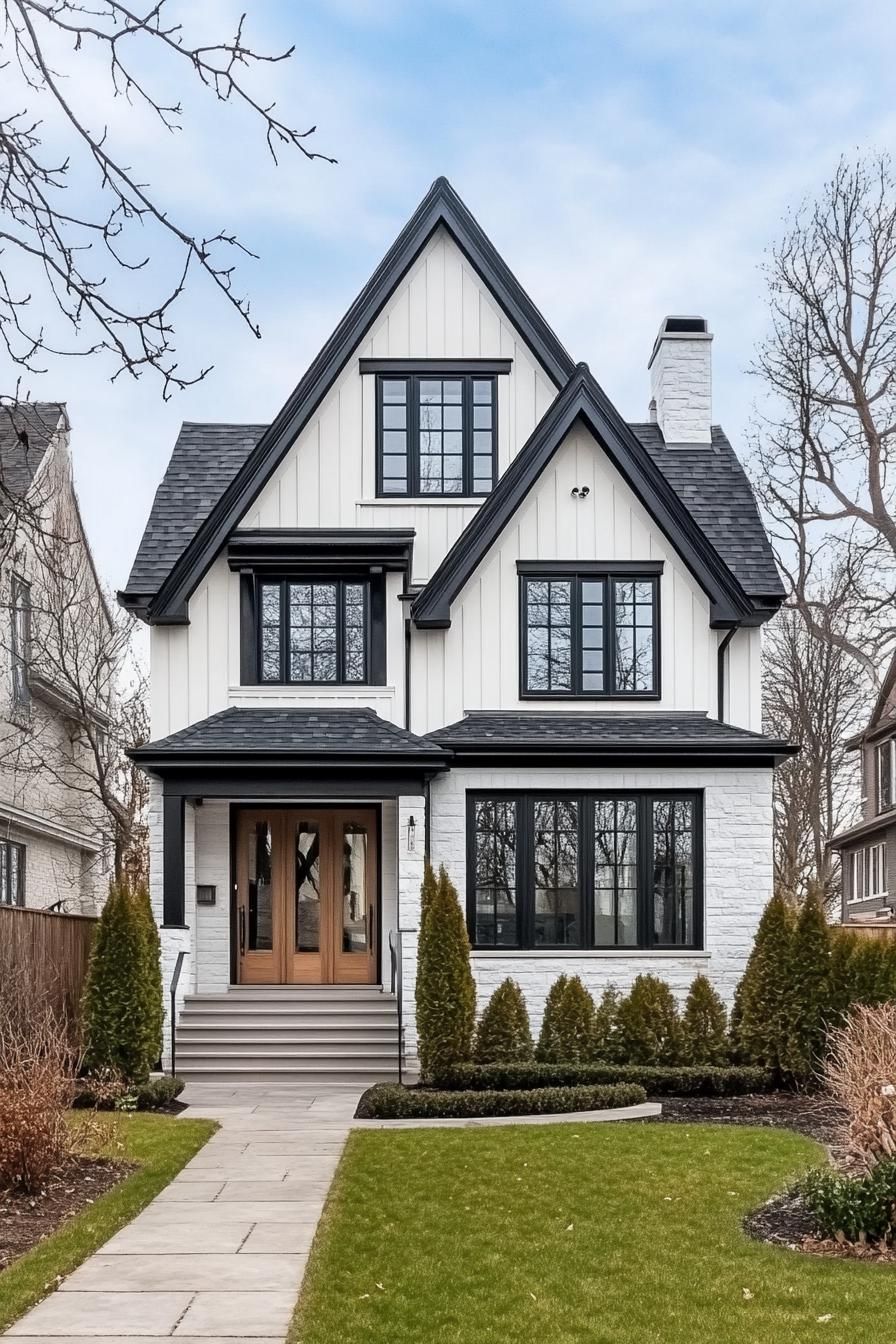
<point>825,453</point>
<point>86,698</point>
<point>815,695</point>
<point>92,262</point>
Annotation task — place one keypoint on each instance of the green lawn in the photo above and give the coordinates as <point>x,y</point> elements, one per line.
<point>161,1145</point>
<point>608,1233</point>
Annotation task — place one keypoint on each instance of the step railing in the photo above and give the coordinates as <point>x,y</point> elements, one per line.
<point>172,993</point>
<point>396,988</point>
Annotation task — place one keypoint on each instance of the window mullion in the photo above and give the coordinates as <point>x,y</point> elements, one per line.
<point>284,631</point>
<point>575,634</point>
<point>645,865</point>
<point>466,419</point>
<point>526,879</point>
<point>413,420</point>
<point>586,869</point>
<point>610,635</point>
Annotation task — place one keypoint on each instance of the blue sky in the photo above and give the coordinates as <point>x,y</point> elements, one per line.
<point>628,159</point>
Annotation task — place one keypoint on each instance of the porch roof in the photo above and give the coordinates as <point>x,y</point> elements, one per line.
<point>612,737</point>
<point>287,736</point>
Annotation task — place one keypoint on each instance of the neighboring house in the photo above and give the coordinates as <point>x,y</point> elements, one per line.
<point>52,841</point>
<point>868,849</point>
<point>450,604</point>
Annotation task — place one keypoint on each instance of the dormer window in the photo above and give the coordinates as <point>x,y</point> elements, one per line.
<point>436,434</point>
<point>886,775</point>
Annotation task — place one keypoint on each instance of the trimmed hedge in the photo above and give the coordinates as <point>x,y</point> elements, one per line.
<point>390,1101</point>
<point>656,1080</point>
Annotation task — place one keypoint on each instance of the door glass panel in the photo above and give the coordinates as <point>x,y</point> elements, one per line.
<point>307,887</point>
<point>354,887</point>
<point>261,893</point>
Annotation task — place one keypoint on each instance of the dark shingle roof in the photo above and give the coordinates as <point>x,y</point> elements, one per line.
<point>273,733</point>
<point>204,462</point>
<point>26,429</point>
<point>710,481</point>
<point>537,731</point>
<point>713,485</point>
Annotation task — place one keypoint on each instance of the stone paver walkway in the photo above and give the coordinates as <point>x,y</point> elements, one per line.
<point>220,1253</point>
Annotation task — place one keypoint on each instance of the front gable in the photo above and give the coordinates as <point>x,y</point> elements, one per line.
<point>462,315</point>
<point>582,402</point>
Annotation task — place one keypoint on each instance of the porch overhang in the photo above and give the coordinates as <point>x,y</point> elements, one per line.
<point>280,755</point>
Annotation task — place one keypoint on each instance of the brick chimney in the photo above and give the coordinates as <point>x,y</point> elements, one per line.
<point>681,380</point>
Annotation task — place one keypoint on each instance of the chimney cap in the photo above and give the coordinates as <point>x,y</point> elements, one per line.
<point>679,327</point>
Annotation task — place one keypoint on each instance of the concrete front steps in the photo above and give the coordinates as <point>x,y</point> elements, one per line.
<point>290,1034</point>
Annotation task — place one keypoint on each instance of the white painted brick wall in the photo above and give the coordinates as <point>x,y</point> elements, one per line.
<point>681,386</point>
<point>173,940</point>
<point>737,882</point>
<point>213,921</point>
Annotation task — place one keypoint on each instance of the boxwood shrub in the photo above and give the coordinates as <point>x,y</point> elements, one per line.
<point>858,1208</point>
<point>156,1094</point>
<point>390,1101</point>
<point>656,1080</point>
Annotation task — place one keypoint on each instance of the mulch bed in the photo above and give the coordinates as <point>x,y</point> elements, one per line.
<point>27,1219</point>
<point>815,1117</point>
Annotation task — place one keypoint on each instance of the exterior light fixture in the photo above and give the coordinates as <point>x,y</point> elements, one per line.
<point>412,835</point>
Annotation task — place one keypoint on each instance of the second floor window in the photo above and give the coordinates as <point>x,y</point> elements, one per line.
<point>886,775</point>
<point>314,632</point>
<point>12,873</point>
<point>436,435</point>
<point>589,635</point>
<point>20,640</point>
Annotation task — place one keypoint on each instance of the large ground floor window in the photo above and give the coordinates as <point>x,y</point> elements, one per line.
<point>585,870</point>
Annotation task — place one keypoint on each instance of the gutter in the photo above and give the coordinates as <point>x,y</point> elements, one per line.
<point>723,647</point>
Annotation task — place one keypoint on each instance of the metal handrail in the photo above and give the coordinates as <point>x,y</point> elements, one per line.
<point>175,980</point>
<point>396,989</point>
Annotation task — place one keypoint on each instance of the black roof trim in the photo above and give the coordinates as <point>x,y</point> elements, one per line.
<point>336,547</point>
<point>440,206</point>
<point>422,366</point>
<point>582,397</point>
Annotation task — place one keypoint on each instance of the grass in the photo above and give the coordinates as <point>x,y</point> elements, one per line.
<point>610,1234</point>
<point>160,1145</point>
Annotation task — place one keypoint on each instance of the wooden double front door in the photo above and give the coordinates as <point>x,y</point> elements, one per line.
<point>306,885</point>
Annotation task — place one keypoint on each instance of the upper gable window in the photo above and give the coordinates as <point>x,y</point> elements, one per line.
<point>886,775</point>
<point>589,634</point>
<point>436,434</point>
<point>313,633</point>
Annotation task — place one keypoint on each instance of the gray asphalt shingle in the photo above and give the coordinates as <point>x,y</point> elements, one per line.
<point>710,482</point>
<point>26,429</point>
<point>574,728</point>
<point>292,732</point>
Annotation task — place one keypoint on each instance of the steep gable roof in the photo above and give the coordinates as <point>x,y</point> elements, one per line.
<point>26,430</point>
<point>584,399</point>
<point>440,207</point>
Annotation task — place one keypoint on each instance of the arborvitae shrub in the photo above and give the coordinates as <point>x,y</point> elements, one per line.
<point>573,1032</point>
<point>503,1035</point>
<point>808,1008</point>
<point>647,1023</point>
<point>152,1007</point>
<point>761,999</point>
<point>604,1039</point>
<point>545,1050</point>
<point>120,1021</point>
<point>704,1026</point>
<point>445,995</point>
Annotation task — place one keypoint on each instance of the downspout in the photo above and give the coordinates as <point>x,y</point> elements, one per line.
<point>721,655</point>
<point>427,805</point>
<point>407,673</point>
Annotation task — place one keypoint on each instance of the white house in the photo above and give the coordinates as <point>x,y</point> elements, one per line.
<point>450,604</point>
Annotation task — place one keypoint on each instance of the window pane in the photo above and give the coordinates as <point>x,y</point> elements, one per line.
<point>549,635</point>
<point>440,446</point>
<point>634,636</point>
<point>394,417</point>
<point>354,638</point>
<point>270,632</point>
<point>261,891</point>
<point>556,914</point>
<point>394,390</point>
<point>592,608</point>
<point>482,390</point>
<point>673,871</point>
<point>307,887</point>
<point>4,874</point>
<point>615,873</point>
<point>495,873</point>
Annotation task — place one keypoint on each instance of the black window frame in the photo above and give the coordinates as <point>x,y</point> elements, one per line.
<point>578,573</point>
<point>20,640</point>
<point>6,848</point>
<point>412,381</point>
<point>888,746</point>
<point>524,886</point>
<point>374,625</point>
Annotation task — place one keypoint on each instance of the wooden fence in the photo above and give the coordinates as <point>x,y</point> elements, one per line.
<point>872,930</point>
<point>54,950</point>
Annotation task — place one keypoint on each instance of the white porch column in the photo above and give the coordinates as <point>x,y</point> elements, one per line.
<point>174,939</point>
<point>410,879</point>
